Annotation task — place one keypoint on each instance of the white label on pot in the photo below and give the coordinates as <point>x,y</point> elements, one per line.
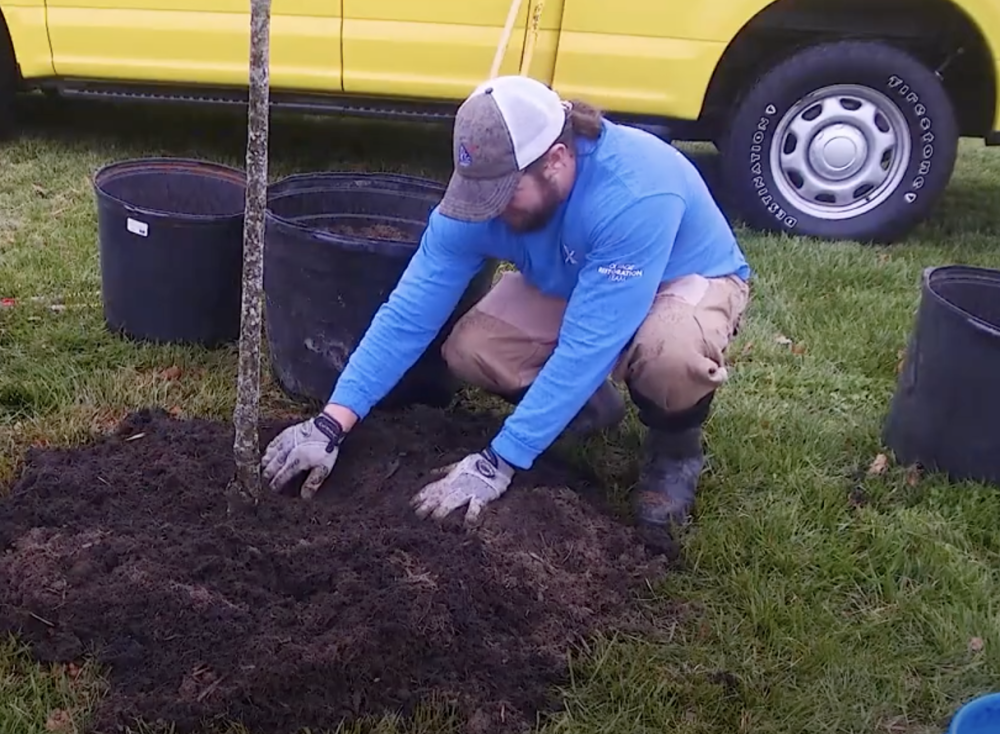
<point>137,227</point>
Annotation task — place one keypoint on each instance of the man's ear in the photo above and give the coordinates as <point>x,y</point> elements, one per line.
<point>563,153</point>
<point>558,157</point>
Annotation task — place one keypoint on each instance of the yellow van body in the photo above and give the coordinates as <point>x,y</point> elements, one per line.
<point>687,66</point>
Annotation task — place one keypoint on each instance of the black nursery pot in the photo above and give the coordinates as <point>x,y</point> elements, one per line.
<point>171,249</point>
<point>336,246</point>
<point>945,414</point>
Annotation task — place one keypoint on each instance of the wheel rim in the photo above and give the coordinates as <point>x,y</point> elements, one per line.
<point>840,152</point>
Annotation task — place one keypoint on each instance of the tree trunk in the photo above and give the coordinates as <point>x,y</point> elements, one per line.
<point>246,448</point>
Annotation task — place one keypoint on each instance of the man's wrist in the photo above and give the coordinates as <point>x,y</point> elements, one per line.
<point>344,416</point>
<point>511,451</point>
<point>492,463</point>
<point>331,428</point>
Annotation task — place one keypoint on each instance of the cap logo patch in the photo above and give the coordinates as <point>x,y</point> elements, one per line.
<point>464,157</point>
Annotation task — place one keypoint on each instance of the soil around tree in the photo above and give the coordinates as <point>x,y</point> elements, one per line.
<point>377,231</point>
<point>301,614</point>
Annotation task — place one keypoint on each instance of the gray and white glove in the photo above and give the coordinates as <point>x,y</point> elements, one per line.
<point>476,480</point>
<point>312,446</point>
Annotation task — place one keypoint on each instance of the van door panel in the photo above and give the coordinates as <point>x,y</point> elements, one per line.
<point>434,48</point>
<point>29,36</point>
<point>648,58</point>
<point>195,41</point>
<point>542,63</point>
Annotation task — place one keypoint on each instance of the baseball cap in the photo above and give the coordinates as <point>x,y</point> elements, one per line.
<point>506,124</point>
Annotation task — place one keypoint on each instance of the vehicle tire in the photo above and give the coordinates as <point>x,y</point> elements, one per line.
<point>847,140</point>
<point>8,83</point>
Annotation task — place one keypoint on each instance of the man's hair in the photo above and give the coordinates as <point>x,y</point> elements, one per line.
<point>582,120</point>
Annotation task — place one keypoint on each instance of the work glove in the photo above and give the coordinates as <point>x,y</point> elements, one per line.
<point>476,480</point>
<point>312,446</point>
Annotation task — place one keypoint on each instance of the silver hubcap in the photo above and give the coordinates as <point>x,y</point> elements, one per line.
<point>840,152</point>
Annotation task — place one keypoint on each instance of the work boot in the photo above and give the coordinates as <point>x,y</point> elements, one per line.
<point>668,478</point>
<point>606,408</point>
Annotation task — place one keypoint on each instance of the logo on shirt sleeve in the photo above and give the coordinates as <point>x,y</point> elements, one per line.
<point>569,256</point>
<point>617,273</point>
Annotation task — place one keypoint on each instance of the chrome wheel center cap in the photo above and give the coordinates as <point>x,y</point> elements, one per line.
<point>838,151</point>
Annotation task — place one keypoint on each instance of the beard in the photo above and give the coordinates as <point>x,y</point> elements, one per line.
<point>531,221</point>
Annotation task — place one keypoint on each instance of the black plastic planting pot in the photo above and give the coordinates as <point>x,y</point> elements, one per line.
<point>336,246</point>
<point>171,247</point>
<point>945,414</point>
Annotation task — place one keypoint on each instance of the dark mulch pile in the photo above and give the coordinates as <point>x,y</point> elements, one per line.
<point>377,231</point>
<point>302,613</point>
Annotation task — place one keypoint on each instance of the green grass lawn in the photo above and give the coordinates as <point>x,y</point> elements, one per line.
<point>814,596</point>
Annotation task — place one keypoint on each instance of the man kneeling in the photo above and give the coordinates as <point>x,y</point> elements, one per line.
<point>626,270</point>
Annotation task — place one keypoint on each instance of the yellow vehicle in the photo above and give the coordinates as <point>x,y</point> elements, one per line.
<point>834,118</point>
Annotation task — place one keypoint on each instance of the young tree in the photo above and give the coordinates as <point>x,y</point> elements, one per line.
<point>246,446</point>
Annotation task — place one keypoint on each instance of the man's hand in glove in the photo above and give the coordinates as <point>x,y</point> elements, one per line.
<point>312,446</point>
<point>475,480</point>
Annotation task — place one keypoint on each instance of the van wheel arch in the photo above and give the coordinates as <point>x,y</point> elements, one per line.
<point>882,100</point>
<point>9,80</point>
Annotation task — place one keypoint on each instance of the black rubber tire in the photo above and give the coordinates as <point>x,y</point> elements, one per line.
<point>916,90</point>
<point>8,83</point>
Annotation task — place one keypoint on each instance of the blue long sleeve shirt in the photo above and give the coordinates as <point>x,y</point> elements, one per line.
<point>639,214</point>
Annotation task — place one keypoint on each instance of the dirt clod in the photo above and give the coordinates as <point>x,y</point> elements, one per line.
<point>299,614</point>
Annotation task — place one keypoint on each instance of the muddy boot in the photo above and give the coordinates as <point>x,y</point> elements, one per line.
<point>672,460</point>
<point>668,479</point>
<point>606,408</point>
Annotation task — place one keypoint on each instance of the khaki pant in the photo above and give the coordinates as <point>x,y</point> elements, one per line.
<point>674,360</point>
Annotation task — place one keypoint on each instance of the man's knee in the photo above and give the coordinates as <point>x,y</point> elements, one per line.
<point>676,376</point>
<point>488,353</point>
<point>501,343</point>
<point>677,359</point>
